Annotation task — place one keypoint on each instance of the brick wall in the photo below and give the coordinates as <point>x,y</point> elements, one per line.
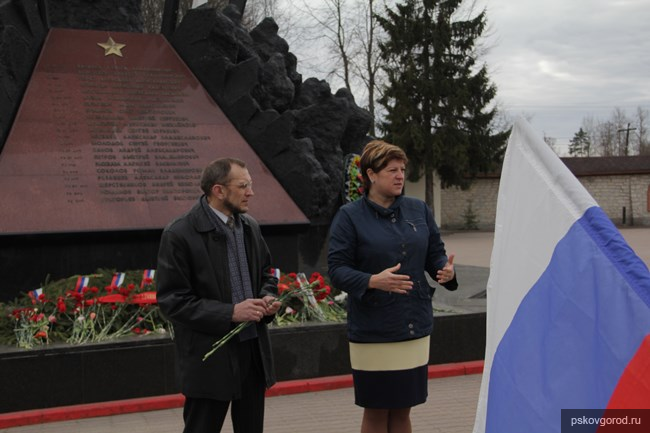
<point>480,199</point>
<point>613,193</point>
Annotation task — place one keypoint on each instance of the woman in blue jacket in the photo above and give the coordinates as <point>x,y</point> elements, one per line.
<point>380,247</point>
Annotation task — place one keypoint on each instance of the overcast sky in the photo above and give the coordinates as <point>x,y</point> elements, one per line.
<point>560,61</point>
<point>557,61</point>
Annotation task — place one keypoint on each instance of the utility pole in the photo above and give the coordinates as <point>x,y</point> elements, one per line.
<point>627,136</point>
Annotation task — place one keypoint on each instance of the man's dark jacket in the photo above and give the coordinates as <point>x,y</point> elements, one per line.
<point>193,283</point>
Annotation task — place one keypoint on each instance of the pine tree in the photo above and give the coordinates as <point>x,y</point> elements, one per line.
<point>580,144</point>
<point>437,98</point>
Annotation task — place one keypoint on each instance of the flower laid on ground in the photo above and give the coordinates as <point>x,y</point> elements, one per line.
<point>305,305</point>
<point>301,300</point>
<point>83,309</point>
<point>107,305</point>
<point>353,178</point>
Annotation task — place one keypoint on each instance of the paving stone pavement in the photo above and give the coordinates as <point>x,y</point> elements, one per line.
<point>450,408</point>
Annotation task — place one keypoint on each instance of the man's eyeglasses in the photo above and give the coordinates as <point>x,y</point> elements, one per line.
<point>242,185</point>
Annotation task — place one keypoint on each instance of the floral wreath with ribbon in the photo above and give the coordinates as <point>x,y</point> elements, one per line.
<point>353,179</point>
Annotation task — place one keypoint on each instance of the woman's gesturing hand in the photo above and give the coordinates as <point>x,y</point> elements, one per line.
<point>389,281</point>
<point>447,273</point>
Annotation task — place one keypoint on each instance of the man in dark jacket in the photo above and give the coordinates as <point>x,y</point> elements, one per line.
<point>214,271</point>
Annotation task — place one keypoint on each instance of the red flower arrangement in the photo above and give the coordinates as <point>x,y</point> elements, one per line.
<point>316,304</point>
<point>108,305</point>
<point>78,310</point>
<point>316,281</point>
<point>302,299</point>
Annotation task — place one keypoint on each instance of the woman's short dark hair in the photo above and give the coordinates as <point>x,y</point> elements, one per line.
<point>376,156</point>
<point>217,172</point>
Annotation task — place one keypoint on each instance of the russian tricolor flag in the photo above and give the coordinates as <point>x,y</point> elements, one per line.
<point>147,277</point>
<point>36,293</point>
<point>118,279</point>
<point>82,281</point>
<point>568,307</point>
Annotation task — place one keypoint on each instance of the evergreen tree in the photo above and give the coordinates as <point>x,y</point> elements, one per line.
<point>580,144</point>
<point>437,97</point>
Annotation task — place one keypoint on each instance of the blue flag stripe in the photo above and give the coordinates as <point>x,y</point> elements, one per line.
<point>574,332</point>
<point>622,257</point>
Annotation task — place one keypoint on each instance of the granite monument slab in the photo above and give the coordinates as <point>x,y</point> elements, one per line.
<point>112,134</point>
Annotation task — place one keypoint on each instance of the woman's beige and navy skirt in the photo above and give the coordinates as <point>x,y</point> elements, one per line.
<point>390,375</point>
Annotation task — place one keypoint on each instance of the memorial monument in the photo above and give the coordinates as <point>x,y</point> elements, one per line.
<point>103,132</point>
<point>114,128</point>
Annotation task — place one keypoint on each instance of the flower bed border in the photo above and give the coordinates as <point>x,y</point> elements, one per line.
<point>62,375</point>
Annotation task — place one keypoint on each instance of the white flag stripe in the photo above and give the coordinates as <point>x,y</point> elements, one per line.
<point>528,226</point>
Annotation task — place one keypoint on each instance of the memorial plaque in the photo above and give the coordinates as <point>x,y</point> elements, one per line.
<point>112,134</point>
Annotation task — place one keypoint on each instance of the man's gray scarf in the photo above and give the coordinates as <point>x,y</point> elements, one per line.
<point>240,281</point>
